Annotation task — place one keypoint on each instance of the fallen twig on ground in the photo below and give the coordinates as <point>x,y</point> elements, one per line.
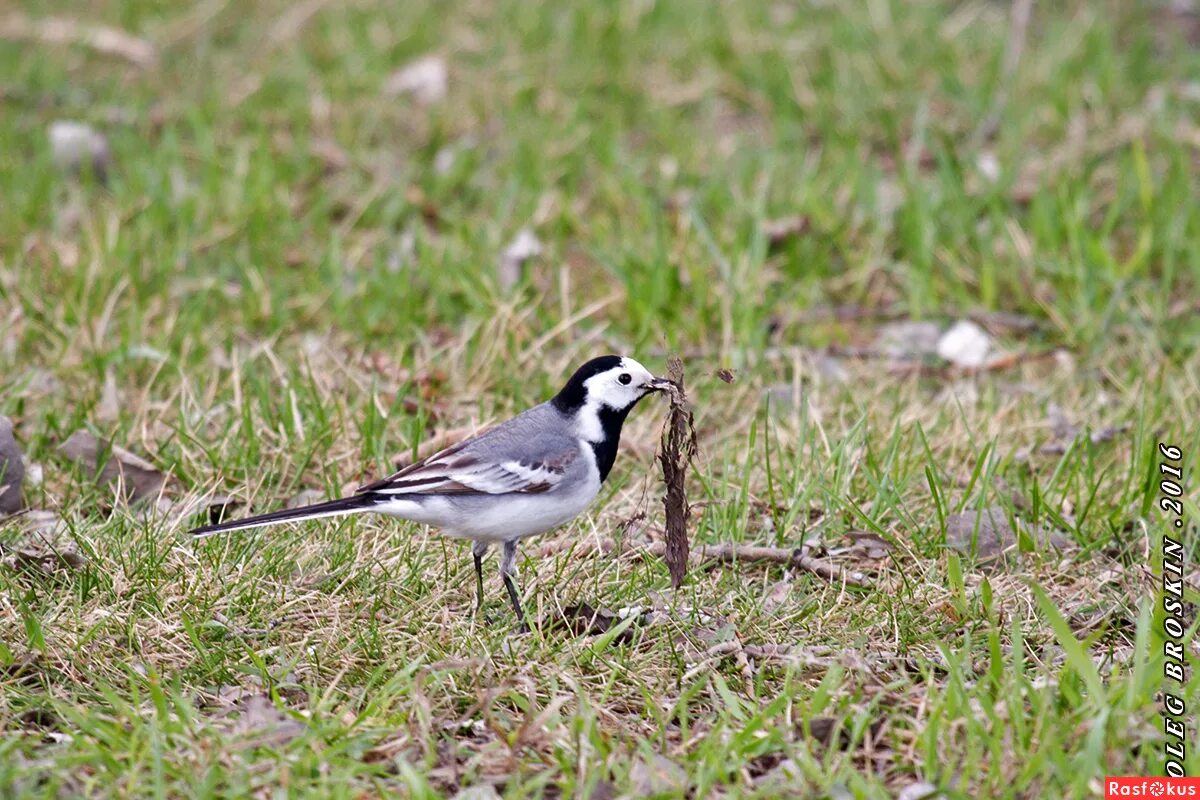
<point>781,555</point>
<point>819,657</point>
<point>915,367</point>
<point>101,38</point>
<point>717,552</point>
<point>732,647</point>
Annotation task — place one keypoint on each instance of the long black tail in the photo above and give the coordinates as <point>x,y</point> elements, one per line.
<point>330,508</point>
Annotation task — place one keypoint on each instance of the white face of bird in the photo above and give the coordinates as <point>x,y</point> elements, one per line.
<point>621,386</point>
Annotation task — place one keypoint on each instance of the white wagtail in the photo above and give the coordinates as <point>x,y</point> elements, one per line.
<point>522,477</point>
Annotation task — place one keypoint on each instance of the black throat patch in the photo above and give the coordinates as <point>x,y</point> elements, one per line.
<point>573,397</point>
<point>611,420</point>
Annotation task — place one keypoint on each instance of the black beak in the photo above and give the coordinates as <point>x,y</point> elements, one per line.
<point>660,385</point>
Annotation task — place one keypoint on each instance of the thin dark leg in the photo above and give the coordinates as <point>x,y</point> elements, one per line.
<point>514,598</point>
<point>508,567</point>
<point>478,550</point>
<point>478,582</point>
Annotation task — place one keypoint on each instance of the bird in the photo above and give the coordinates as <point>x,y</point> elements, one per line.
<point>520,478</point>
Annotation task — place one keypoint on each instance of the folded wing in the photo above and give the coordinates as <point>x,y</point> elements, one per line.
<point>457,470</point>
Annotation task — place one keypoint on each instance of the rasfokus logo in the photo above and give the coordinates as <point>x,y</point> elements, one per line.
<point>1132,786</point>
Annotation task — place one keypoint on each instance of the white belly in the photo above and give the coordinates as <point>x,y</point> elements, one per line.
<point>495,518</point>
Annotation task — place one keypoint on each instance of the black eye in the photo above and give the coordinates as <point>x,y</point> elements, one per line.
<point>625,377</point>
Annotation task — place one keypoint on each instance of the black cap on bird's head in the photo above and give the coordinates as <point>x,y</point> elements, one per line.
<point>617,382</point>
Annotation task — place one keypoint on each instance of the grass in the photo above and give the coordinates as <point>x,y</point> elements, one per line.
<point>290,278</point>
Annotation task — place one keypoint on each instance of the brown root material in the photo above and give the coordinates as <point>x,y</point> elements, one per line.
<point>678,448</point>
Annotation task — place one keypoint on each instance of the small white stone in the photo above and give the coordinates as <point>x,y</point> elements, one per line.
<point>75,143</point>
<point>965,344</point>
<point>426,79</point>
<point>147,352</point>
<point>988,166</point>
<point>443,160</point>
<point>35,474</point>
<point>919,791</point>
<point>482,791</point>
